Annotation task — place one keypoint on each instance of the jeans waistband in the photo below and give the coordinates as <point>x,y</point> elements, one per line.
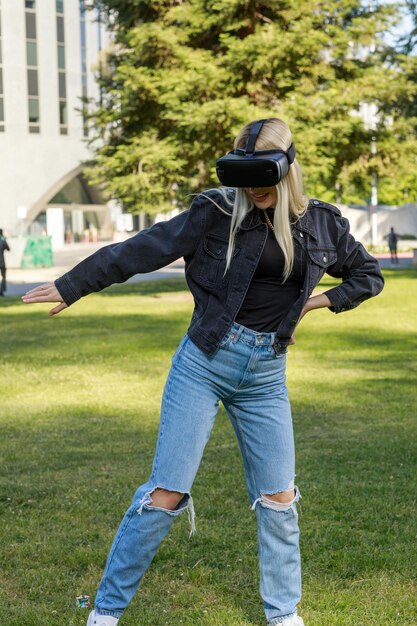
<point>252,337</point>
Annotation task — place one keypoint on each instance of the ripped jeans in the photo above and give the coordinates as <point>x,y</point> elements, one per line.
<point>249,378</point>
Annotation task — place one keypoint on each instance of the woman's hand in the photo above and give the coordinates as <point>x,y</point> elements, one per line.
<point>46,293</point>
<point>315,302</point>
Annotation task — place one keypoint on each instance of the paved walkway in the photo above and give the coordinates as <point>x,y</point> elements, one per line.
<point>19,281</point>
<point>405,259</point>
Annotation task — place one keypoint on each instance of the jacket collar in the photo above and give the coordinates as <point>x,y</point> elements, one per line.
<point>304,223</point>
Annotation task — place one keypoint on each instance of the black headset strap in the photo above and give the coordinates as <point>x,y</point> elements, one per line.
<point>253,135</point>
<point>291,154</point>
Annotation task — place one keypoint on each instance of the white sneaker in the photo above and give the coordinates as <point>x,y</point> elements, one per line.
<point>294,620</point>
<point>94,619</point>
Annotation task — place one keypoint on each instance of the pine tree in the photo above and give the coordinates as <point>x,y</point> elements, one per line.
<point>184,76</point>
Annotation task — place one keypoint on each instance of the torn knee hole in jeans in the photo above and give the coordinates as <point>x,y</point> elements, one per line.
<point>185,504</point>
<point>269,503</point>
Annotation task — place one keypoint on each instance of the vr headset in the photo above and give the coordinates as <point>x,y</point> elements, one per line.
<point>250,168</point>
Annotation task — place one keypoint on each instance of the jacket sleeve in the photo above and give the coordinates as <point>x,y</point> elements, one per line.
<point>147,251</point>
<point>360,272</point>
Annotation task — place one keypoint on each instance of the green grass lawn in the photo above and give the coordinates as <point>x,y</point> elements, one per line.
<point>80,397</point>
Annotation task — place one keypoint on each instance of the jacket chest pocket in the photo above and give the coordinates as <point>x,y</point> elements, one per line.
<point>323,257</point>
<point>213,262</point>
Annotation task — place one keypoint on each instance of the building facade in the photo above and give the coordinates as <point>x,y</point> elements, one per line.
<point>49,55</point>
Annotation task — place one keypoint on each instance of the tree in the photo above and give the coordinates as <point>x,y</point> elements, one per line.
<point>184,76</point>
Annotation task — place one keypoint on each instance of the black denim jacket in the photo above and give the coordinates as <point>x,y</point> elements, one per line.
<point>200,235</point>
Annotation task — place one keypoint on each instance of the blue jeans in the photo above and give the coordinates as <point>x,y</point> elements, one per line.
<point>249,378</point>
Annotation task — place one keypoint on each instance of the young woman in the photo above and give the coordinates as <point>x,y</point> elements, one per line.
<point>252,259</point>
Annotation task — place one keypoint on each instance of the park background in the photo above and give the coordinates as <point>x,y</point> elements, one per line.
<point>81,392</point>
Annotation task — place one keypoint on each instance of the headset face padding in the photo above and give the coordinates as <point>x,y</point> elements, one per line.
<point>254,168</point>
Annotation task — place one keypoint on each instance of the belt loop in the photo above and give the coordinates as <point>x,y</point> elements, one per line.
<point>236,332</point>
<point>280,347</point>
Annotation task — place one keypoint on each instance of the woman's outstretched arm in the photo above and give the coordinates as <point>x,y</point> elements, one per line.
<point>147,251</point>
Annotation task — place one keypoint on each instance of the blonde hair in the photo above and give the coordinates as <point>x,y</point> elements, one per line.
<point>291,201</point>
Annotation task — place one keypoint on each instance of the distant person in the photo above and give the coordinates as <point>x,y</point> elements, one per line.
<point>392,244</point>
<point>3,247</point>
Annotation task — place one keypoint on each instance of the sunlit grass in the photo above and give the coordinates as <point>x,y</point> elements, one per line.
<point>80,397</point>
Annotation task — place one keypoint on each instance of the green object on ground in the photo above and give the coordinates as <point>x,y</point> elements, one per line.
<point>80,400</point>
<point>38,252</point>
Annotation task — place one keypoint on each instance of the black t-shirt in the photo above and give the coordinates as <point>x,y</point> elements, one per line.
<point>268,300</point>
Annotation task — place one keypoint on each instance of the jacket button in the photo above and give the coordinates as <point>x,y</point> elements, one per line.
<point>325,258</point>
<point>316,202</point>
<point>301,235</point>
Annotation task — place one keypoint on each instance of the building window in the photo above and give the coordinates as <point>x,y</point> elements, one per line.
<point>62,76</point>
<point>61,57</point>
<point>84,87</point>
<point>63,113</point>
<point>31,54</point>
<point>62,88</point>
<point>32,66</point>
<point>1,114</point>
<point>60,29</point>
<point>33,83</point>
<point>33,111</point>
<point>30,25</point>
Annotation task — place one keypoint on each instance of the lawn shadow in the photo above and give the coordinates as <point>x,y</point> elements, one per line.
<point>55,474</point>
<point>70,473</point>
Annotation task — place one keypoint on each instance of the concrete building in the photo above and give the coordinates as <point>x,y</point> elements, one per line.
<point>49,50</point>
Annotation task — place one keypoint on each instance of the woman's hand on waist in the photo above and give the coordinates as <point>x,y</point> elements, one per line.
<point>314,302</point>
